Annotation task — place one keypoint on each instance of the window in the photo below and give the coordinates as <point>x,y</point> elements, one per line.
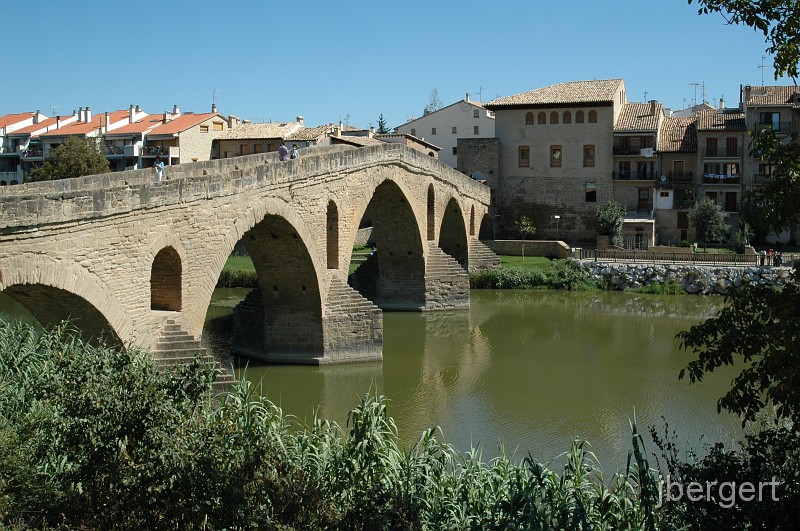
<point>524,156</point>
<point>579,117</point>
<point>244,149</point>
<point>555,156</point>
<point>711,147</point>
<point>730,146</point>
<point>591,192</point>
<point>542,118</point>
<point>645,142</point>
<point>217,126</point>
<point>528,118</point>
<point>554,117</point>
<point>455,150</point>
<point>592,116</point>
<point>624,169</point>
<point>413,132</point>
<point>683,220</point>
<point>455,130</point>
<point>204,129</point>
<point>433,130</point>
<point>588,156</point>
<point>663,193</point>
<point>771,119</point>
<point>258,148</point>
<point>567,117</point>
<point>476,130</point>
<point>476,113</point>
<point>730,202</point>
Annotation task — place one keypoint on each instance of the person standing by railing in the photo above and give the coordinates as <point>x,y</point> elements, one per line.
<point>158,169</point>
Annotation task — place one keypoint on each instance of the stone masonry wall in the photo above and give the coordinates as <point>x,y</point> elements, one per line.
<point>703,280</point>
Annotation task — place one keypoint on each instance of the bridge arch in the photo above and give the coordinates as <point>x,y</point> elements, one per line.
<point>165,280</point>
<point>393,278</point>
<point>55,290</point>
<point>332,235</point>
<point>431,213</point>
<point>453,233</point>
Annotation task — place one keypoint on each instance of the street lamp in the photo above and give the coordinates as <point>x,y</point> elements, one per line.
<point>557,218</point>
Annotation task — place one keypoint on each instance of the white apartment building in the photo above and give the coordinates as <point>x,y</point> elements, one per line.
<point>443,128</point>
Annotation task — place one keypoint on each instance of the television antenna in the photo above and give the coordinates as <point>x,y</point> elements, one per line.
<point>480,94</point>
<point>53,108</point>
<point>214,94</point>
<point>762,66</point>
<point>695,85</point>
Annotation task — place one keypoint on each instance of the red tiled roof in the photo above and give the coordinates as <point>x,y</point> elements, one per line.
<point>44,124</point>
<point>84,128</point>
<point>142,126</point>
<point>183,122</point>
<point>773,95</point>
<point>639,117</point>
<point>11,119</point>
<point>677,135</point>
<point>720,121</point>
<point>597,91</point>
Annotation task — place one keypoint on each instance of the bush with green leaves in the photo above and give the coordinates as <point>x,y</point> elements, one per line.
<point>559,274</point>
<point>610,218</point>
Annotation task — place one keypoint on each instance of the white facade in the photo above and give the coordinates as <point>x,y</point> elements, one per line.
<point>463,119</point>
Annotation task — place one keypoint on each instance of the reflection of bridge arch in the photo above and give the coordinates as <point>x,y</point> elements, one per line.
<point>298,219</point>
<point>54,291</point>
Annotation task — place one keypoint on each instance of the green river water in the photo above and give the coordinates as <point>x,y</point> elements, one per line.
<point>530,369</point>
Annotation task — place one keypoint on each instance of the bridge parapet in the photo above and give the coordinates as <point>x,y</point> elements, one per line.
<point>64,200</point>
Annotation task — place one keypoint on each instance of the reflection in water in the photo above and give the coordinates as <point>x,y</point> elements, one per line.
<point>532,369</point>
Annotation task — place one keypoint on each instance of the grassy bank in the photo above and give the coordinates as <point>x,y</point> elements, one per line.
<point>94,438</point>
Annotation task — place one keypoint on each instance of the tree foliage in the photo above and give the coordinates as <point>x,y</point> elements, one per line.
<point>779,197</point>
<point>708,221</point>
<point>434,103</point>
<point>610,218</point>
<point>382,129</point>
<point>75,157</point>
<point>525,227</point>
<point>778,20</point>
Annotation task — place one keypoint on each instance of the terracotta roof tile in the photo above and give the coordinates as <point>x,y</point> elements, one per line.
<point>11,119</point>
<point>259,130</point>
<point>183,123</point>
<point>720,121</point>
<point>773,95</point>
<point>35,128</point>
<point>563,93</point>
<point>84,128</point>
<point>639,117</point>
<point>307,134</point>
<point>677,135</point>
<point>141,126</point>
<point>360,141</point>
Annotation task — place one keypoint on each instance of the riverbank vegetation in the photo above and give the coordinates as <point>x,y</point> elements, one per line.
<point>97,438</point>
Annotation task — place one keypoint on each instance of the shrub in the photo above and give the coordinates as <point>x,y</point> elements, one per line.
<point>238,278</point>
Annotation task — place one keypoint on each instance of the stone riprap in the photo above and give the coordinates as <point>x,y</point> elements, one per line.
<point>703,280</point>
<point>122,255</point>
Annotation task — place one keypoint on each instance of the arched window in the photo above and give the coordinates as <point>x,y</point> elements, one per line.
<point>554,117</point>
<point>542,118</point>
<point>333,236</point>
<point>567,117</point>
<point>592,116</point>
<point>579,117</point>
<point>431,219</point>
<point>165,281</point>
<point>528,118</point>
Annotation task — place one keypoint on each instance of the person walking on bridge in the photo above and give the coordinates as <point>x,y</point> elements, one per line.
<point>283,152</point>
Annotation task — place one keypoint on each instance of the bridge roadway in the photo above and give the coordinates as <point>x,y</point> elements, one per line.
<point>134,261</point>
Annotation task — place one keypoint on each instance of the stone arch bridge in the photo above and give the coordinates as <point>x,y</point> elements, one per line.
<point>134,261</point>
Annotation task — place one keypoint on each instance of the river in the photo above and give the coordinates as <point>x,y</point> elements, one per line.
<point>529,369</point>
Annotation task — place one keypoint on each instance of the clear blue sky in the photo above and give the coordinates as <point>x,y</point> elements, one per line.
<point>326,60</point>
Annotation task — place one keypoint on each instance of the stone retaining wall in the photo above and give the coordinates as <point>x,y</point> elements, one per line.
<point>703,280</point>
<point>548,248</point>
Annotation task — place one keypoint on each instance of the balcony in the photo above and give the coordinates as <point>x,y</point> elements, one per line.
<point>9,151</point>
<point>115,151</point>
<point>156,151</point>
<point>682,203</point>
<point>634,151</point>
<point>681,177</point>
<point>721,153</point>
<point>633,175</point>
<point>715,178</point>
<point>33,152</point>
<point>759,179</point>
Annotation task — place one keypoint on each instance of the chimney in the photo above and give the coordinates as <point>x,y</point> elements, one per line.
<point>36,117</point>
<point>213,107</point>
<point>58,122</point>
<point>167,117</point>
<point>466,98</point>
<point>300,121</point>
<point>131,113</point>
<point>80,114</point>
<point>88,115</point>
<point>747,89</point>
<point>108,119</point>
<point>652,107</point>
<point>721,103</point>
<point>176,109</point>
<point>138,108</point>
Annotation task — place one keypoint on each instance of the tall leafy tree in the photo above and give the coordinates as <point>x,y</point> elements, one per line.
<point>708,221</point>
<point>610,218</point>
<point>382,127</point>
<point>74,158</point>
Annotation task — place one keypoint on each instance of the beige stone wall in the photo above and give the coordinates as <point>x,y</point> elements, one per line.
<point>196,146</point>
<point>97,236</point>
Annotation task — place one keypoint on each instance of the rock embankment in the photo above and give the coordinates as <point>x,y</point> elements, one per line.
<point>703,280</point>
